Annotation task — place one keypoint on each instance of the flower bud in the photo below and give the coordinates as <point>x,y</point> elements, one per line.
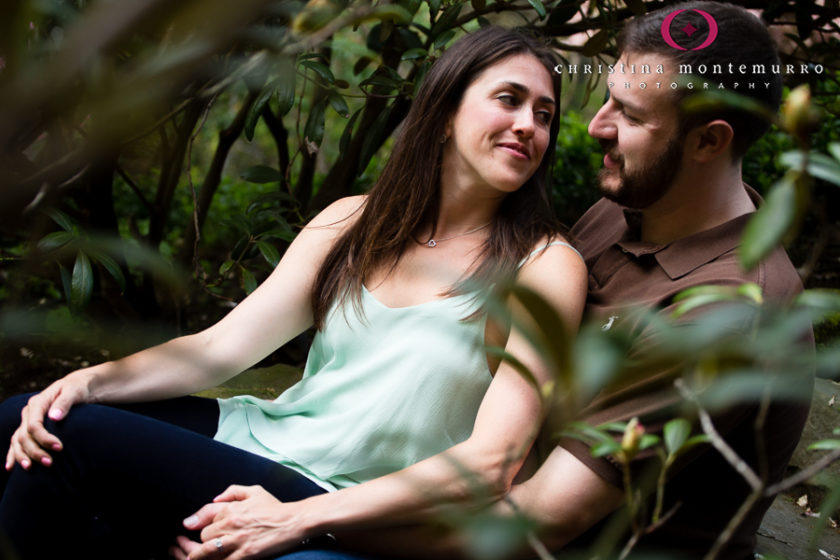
<point>799,116</point>
<point>632,439</point>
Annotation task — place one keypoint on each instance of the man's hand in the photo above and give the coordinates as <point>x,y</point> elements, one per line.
<point>242,522</point>
<point>31,442</point>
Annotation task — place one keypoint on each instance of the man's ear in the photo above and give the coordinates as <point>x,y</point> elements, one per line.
<point>710,140</point>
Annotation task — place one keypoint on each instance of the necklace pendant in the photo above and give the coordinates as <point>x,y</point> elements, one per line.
<point>431,243</point>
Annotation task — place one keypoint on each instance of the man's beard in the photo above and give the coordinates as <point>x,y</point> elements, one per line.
<point>642,188</point>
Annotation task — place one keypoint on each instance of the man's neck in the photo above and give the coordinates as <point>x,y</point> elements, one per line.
<point>698,201</point>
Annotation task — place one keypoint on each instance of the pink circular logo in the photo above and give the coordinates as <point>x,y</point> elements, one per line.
<point>689,30</point>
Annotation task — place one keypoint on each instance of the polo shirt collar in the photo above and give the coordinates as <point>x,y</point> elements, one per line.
<point>684,255</point>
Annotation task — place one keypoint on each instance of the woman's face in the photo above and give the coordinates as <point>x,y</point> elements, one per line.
<point>499,134</point>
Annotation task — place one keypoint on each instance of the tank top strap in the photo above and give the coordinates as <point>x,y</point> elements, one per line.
<point>546,246</point>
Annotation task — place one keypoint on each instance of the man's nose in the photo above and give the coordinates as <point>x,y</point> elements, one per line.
<point>602,125</point>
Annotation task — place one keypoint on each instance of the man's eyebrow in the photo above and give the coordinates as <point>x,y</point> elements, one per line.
<point>524,89</point>
<point>630,105</point>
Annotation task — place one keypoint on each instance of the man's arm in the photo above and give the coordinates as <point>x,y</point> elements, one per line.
<point>564,498</point>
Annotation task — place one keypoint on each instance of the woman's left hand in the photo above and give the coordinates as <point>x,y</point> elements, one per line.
<point>242,522</point>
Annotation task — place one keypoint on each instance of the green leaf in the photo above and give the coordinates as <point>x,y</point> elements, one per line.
<point>751,291</point>
<point>54,240</point>
<point>338,104</point>
<point>676,433</point>
<point>380,80</point>
<point>538,6</point>
<point>255,111</point>
<point>344,142</point>
<point>825,445</point>
<point>821,302</point>
<point>442,39</point>
<point>478,5</point>
<point>321,69</point>
<point>249,283</point>
<point>605,448</point>
<point>834,150</point>
<point>361,64</point>
<point>447,20</point>
<point>225,267</point>
<point>81,283</point>
<point>285,91</point>
<point>269,252</point>
<point>595,44</point>
<point>62,219</point>
<point>820,165</point>
<point>648,440</point>
<point>434,6</point>
<point>770,223</point>
<point>313,132</point>
<point>109,264</point>
<point>262,174</point>
<point>415,54</point>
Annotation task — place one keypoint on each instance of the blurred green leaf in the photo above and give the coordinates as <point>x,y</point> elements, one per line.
<point>344,142</point>
<point>54,240</point>
<point>225,267</point>
<point>62,219</point>
<point>81,284</point>
<point>249,283</point>
<point>676,433</point>
<point>825,445</point>
<point>820,165</point>
<point>313,132</point>
<point>109,264</point>
<point>770,224</point>
<point>255,111</point>
<point>538,6</point>
<point>595,44</point>
<point>262,174</point>
<point>321,69</point>
<point>415,54</point>
<point>339,104</point>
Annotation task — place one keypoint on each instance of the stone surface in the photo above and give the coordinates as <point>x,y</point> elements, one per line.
<point>788,528</point>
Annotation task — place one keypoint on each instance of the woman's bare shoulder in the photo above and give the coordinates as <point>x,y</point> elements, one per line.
<point>340,214</point>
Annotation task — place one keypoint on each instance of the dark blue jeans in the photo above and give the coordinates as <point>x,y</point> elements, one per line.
<point>125,480</point>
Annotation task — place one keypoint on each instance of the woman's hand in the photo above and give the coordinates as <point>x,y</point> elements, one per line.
<point>31,441</point>
<point>242,522</point>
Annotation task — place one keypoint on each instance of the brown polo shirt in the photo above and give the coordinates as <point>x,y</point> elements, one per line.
<point>625,271</point>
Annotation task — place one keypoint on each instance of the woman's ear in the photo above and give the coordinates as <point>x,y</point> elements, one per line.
<point>710,140</point>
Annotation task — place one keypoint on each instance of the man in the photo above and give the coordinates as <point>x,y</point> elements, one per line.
<point>674,210</point>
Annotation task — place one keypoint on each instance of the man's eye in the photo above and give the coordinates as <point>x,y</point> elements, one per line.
<point>630,118</point>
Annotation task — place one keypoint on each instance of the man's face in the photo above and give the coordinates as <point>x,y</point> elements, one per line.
<point>637,127</point>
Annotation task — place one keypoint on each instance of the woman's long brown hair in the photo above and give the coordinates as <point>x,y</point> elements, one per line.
<point>406,198</point>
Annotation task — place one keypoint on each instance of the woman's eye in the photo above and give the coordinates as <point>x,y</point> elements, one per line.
<point>508,99</point>
<point>544,117</point>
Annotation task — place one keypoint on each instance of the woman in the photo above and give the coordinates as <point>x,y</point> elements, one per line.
<point>398,413</point>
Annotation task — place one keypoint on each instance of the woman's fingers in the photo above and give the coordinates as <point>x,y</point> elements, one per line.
<point>235,493</point>
<point>203,517</point>
<point>183,548</point>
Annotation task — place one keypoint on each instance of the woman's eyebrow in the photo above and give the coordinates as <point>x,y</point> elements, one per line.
<point>525,89</point>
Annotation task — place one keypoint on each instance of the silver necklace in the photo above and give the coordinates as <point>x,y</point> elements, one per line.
<point>432,243</point>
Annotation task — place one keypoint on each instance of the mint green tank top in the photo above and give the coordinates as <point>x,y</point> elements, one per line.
<point>381,390</point>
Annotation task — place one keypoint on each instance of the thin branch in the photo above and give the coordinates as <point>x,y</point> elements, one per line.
<point>803,475</point>
<point>718,442</point>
